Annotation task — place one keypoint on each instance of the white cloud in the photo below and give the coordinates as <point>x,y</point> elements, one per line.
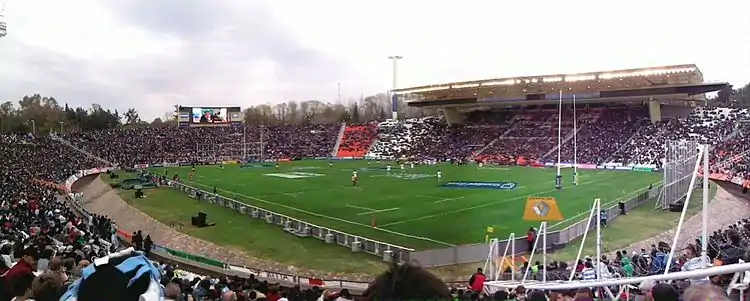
<point>151,54</point>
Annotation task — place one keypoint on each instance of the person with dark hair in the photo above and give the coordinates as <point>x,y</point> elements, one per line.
<point>476,282</point>
<point>24,267</point>
<point>664,292</point>
<point>407,282</point>
<point>147,245</point>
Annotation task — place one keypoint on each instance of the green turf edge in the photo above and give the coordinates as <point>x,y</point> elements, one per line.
<point>253,236</point>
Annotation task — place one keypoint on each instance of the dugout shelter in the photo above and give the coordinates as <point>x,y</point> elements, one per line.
<point>678,85</point>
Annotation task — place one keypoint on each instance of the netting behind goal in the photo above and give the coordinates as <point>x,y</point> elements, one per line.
<point>679,167</point>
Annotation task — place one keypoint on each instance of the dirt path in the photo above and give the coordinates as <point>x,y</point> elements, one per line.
<point>725,209</point>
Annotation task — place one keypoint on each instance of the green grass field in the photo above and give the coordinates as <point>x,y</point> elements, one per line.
<point>411,208</point>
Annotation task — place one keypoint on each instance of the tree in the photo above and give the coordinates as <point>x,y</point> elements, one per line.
<point>131,117</point>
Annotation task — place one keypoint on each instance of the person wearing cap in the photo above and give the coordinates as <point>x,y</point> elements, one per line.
<point>24,267</point>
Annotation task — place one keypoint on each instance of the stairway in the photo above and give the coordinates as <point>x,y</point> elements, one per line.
<point>564,141</point>
<point>95,157</point>
<point>480,151</point>
<point>335,149</point>
<point>627,142</point>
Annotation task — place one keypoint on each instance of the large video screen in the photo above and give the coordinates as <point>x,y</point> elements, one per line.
<point>209,115</point>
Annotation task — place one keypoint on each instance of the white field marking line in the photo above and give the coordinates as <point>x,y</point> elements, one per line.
<point>291,194</point>
<point>448,200</point>
<point>352,187</point>
<point>378,211</point>
<point>477,206</point>
<point>335,218</point>
<point>576,217</point>
<point>360,207</point>
<point>428,197</point>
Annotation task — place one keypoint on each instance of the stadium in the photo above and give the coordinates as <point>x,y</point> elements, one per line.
<point>326,204</point>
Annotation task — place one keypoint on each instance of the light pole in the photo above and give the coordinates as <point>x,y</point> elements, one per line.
<point>61,126</point>
<point>33,127</point>
<point>394,97</point>
<point>3,25</point>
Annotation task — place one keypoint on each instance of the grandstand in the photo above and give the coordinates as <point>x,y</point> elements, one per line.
<point>622,119</point>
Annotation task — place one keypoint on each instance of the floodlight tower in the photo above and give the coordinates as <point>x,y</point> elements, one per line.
<point>394,97</point>
<point>3,25</point>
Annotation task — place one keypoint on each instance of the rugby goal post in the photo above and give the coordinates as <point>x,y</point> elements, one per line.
<point>243,152</point>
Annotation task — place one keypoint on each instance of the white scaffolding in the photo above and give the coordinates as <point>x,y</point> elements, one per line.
<point>739,282</point>
<point>679,157</point>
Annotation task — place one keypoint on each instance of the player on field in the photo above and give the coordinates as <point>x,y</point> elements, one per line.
<point>354,179</point>
<point>411,165</point>
<point>403,169</point>
<point>191,174</point>
<point>277,166</point>
<point>221,166</point>
<point>330,163</point>
<point>439,175</point>
<point>388,168</point>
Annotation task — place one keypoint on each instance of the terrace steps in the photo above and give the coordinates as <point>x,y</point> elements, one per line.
<point>335,149</point>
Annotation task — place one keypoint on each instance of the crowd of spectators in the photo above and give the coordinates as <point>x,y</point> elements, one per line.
<point>130,146</point>
<point>732,156</point>
<point>357,140</point>
<point>601,132</point>
<point>50,242</point>
<point>705,125</point>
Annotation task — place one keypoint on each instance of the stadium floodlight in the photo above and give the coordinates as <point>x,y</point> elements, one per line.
<point>464,86</point>
<point>507,82</point>
<point>3,25</point>
<point>647,72</point>
<point>579,78</point>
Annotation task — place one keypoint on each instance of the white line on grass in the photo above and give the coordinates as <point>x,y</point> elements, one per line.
<point>578,216</point>
<point>428,197</point>
<point>448,200</point>
<point>333,218</point>
<point>379,211</point>
<point>477,206</point>
<point>360,207</point>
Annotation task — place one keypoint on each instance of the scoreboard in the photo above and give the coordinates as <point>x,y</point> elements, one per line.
<point>208,116</point>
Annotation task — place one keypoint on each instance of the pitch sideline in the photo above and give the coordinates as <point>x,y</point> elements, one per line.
<point>478,206</point>
<point>336,219</point>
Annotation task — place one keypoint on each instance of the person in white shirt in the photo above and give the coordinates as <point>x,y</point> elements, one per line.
<point>439,175</point>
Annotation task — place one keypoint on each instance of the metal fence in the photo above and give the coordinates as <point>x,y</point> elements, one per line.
<point>293,225</point>
<point>555,240</point>
<point>426,258</point>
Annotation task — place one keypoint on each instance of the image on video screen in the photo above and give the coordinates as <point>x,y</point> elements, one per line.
<point>209,115</point>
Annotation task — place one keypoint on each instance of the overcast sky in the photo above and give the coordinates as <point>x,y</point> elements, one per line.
<point>152,54</point>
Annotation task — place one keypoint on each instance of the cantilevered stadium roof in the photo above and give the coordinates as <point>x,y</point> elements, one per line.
<point>679,82</point>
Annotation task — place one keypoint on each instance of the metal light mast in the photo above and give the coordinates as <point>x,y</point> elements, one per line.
<point>3,25</point>
<point>394,98</point>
